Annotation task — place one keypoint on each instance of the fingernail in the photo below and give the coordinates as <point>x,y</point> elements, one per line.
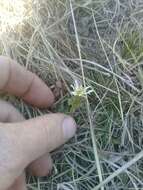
<point>69,127</point>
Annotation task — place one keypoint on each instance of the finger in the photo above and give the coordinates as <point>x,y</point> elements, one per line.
<point>16,80</point>
<point>40,135</point>
<point>22,143</point>
<point>9,113</point>
<point>19,184</point>
<point>42,166</point>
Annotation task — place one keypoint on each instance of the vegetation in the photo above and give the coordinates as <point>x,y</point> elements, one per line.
<point>100,44</point>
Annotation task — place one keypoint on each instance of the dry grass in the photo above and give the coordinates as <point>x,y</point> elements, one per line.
<point>100,44</point>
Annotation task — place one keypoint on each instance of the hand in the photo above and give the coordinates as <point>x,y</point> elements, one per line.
<point>27,143</point>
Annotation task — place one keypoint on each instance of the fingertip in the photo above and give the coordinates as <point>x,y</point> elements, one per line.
<point>42,134</point>
<point>39,94</point>
<point>41,167</point>
<point>16,80</point>
<point>69,127</point>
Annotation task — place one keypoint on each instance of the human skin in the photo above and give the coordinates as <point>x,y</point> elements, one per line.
<point>27,143</point>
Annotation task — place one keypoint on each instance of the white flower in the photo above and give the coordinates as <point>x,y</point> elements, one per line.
<point>79,90</point>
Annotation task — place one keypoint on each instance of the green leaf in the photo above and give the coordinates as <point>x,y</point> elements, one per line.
<point>74,103</point>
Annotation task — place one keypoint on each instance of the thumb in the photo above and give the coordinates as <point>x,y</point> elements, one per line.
<point>33,138</point>
<point>22,143</point>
